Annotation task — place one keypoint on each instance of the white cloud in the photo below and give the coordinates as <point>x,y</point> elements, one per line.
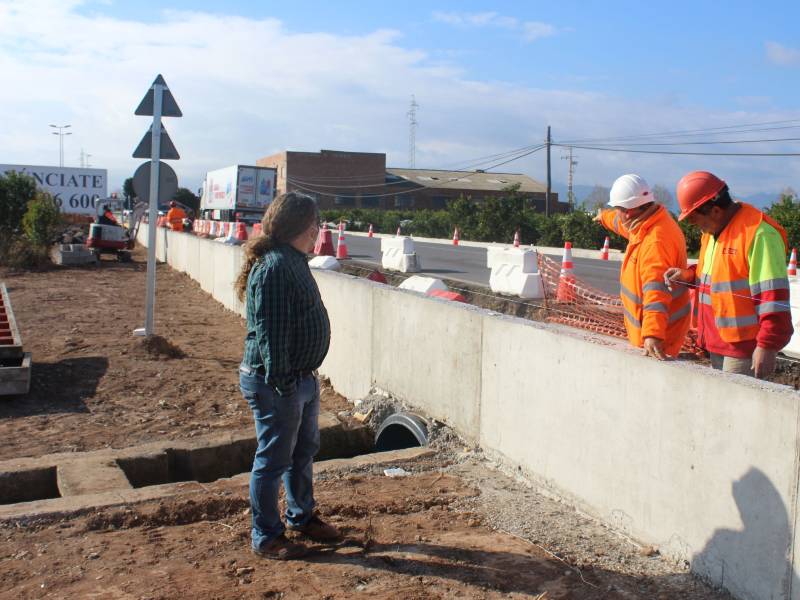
<point>533,30</point>
<point>529,30</point>
<point>250,87</point>
<point>782,55</point>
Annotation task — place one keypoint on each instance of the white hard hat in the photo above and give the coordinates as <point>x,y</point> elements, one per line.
<point>630,191</point>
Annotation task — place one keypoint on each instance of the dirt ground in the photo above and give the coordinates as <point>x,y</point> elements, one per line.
<point>430,535</point>
<point>95,385</point>
<point>455,527</point>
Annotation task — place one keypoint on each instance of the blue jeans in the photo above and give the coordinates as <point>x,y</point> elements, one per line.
<point>287,430</point>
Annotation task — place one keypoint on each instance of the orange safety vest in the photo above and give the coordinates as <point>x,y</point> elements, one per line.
<point>727,286</point>
<point>175,217</point>
<point>650,309</point>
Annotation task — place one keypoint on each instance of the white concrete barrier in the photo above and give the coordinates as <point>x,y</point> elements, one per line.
<point>398,255</point>
<point>418,283</point>
<point>515,271</point>
<point>793,347</point>
<point>327,263</point>
<point>701,464</point>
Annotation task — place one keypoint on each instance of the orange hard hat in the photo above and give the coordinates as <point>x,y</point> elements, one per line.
<point>695,189</point>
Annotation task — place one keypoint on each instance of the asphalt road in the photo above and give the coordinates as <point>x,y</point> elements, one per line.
<point>465,263</point>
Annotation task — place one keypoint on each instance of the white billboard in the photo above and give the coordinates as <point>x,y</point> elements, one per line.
<point>75,190</point>
<point>239,187</point>
<point>247,187</point>
<point>220,189</point>
<point>265,187</point>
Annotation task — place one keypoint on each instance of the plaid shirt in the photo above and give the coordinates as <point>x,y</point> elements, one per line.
<point>288,331</point>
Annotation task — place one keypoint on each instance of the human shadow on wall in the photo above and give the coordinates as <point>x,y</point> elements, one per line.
<point>754,562</point>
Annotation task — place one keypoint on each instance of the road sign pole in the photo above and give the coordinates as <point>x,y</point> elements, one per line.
<point>153,214</point>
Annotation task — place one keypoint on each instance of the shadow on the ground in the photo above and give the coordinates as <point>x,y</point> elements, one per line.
<point>60,387</point>
<point>512,572</point>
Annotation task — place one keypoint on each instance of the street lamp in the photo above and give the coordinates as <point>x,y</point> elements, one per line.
<point>60,133</point>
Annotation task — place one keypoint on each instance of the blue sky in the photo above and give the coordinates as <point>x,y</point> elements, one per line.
<point>255,78</point>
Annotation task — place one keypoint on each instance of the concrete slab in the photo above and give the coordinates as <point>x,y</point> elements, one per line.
<point>91,477</point>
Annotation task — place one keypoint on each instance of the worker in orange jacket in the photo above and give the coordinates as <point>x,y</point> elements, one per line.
<point>175,216</point>
<point>743,314</point>
<point>656,319</point>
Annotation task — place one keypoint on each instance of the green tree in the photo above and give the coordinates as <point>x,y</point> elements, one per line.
<point>16,190</point>
<point>43,220</point>
<point>129,192</point>
<point>786,211</point>
<point>188,199</point>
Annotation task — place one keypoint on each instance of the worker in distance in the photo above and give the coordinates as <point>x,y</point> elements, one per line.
<point>742,310</point>
<point>656,318</point>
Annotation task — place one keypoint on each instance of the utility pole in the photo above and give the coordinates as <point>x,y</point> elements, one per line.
<point>570,194</point>
<point>547,193</point>
<point>412,132</point>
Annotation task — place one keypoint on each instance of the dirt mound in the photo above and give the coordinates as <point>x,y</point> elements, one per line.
<point>175,513</point>
<point>156,346</point>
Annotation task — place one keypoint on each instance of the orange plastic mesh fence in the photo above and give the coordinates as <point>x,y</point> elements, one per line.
<point>573,302</point>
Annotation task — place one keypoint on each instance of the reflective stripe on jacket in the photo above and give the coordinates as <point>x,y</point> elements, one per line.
<point>742,282</point>
<point>650,309</point>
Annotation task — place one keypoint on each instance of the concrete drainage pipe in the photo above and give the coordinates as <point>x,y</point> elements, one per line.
<point>401,430</point>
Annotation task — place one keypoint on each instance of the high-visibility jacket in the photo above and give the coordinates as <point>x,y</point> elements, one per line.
<point>743,289</point>
<point>650,309</point>
<point>175,217</point>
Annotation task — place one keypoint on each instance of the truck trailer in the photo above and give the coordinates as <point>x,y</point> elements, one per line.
<point>237,193</point>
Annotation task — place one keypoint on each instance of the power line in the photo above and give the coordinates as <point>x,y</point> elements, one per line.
<point>721,130</point>
<point>668,152</point>
<point>711,143</point>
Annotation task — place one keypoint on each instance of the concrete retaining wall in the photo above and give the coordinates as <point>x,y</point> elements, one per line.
<point>701,464</point>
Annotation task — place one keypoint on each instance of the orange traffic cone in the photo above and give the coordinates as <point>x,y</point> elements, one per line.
<point>369,233</point>
<point>455,237</point>
<point>399,233</point>
<point>341,247</point>
<point>566,282</point>
<point>516,239</point>
<point>241,232</point>
<point>604,251</point>
<point>792,270</point>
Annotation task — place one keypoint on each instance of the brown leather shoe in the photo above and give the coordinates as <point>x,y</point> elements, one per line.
<point>318,530</point>
<point>281,549</point>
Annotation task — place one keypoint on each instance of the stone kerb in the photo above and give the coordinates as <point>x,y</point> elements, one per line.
<point>428,352</point>
<point>701,464</point>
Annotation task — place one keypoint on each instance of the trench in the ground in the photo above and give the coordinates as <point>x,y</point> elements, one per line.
<point>207,463</point>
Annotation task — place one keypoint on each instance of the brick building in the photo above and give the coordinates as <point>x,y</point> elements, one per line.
<point>339,179</point>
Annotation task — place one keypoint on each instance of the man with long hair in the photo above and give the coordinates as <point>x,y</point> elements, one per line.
<point>288,335</point>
